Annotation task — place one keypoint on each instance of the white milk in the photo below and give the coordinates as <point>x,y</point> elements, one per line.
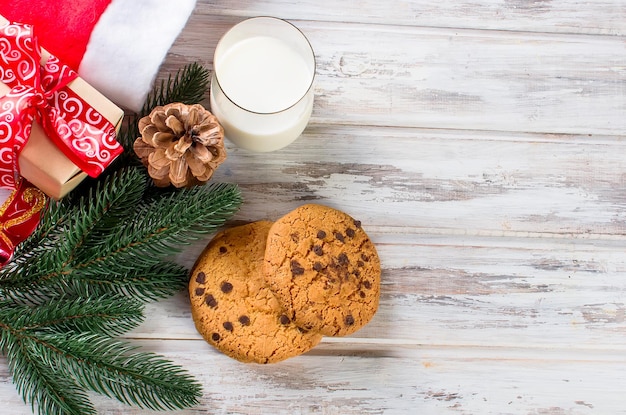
<point>263,74</point>
<point>268,79</point>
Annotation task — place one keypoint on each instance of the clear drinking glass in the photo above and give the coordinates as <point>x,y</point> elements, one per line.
<point>262,83</point>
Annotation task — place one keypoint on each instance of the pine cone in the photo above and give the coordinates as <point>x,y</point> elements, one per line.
<point>180,144</point>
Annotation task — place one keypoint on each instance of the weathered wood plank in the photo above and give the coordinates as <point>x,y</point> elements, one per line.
<point>601,17</point>
<point>437,78</point>
<point>460,182</point>
<point>356,380</point>
<point>475,292</point>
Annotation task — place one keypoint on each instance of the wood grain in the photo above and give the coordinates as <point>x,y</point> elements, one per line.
<point>482,145</point>
<point>478,80</point>
<point>458,181</point>
<point>545,16</point>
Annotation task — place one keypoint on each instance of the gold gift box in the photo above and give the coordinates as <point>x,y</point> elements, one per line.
<point>41,162</point>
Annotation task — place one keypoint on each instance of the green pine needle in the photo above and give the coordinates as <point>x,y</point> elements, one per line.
<point>165,225</point>
<point>111,314</point>
<point>115,369</point>
<point>49,392</point>
<point>84,276</point>
<point>55,370</point>
<point>143,284</point>
<point>194,77</point>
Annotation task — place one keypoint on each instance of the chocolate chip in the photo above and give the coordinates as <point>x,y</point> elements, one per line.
<point>357,223</point>
<point>343,259</point>
<point>318,266</point>
<point>349,320</point>
<point>210,301</point>
<point>244,320</point>
<point>350,232</point>
<point>215,337</point>
<point>367,284</point>
<point>339,237</point>
<point>228,326</point>
<point>318,250</point>
<point>295,237</point>
<point>284,320</point>
<point>360,263</point>
<point>223,250</point>
<point>296,268</point>
<point>226,287</point>
<point>356,273</point>
<point>199,291</point>
<point>362,294</point>
<point>321,234</point>
<point>201,277</point>
<point>365,258</point>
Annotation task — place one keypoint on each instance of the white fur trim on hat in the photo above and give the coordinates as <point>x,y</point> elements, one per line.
<point>128,45</point>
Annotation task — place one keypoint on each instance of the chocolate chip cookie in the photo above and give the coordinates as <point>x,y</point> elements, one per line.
<point>324,269</point>
<point>232,305</point>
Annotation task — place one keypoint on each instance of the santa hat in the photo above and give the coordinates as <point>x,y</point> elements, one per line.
<point>115,45</point>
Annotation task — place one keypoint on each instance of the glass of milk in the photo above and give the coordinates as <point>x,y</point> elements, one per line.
<point>262,84</point>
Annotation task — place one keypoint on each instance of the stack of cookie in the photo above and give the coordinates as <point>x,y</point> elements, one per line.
<point>264,292</point>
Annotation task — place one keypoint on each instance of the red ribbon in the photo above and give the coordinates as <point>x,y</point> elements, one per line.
<point>39,93</point>
<point>19,217</point>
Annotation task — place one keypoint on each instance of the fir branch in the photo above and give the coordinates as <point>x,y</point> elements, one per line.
<point>106,206</point>
<point>53,393</point>
<point>114,368</point>
<point>188,86</point>
<point>53,368</point>
<point>67,227</point>
<point>94,216</point>
<point>143,284</point>
<point>55,215</point>
<point>47,240</point>
<point>165,225</point>
<point>110,313</point>
<point>43,263</point>
<point>110,205</point>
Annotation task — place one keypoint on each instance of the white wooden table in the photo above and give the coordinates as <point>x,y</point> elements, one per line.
<point>482,145</point>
